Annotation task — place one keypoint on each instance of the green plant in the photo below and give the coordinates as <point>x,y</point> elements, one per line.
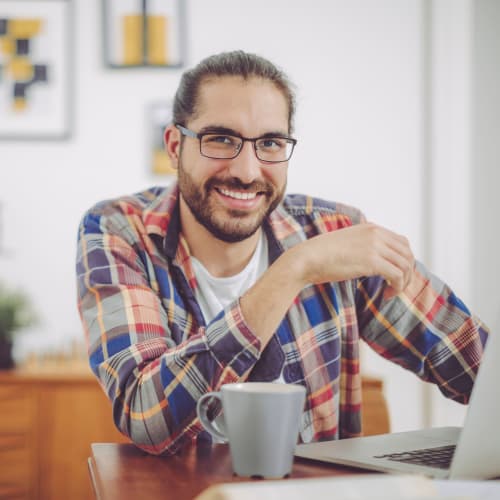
<point>16,312</point>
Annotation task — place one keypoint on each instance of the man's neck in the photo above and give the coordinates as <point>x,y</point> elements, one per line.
<point>220,258</point>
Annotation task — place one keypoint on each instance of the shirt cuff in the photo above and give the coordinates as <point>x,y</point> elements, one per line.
<point>232,341</point>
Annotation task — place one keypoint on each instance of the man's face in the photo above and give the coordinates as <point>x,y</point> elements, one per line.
<point>231,197</point>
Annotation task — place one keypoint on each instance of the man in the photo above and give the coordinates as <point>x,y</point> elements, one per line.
<point>222,278</point>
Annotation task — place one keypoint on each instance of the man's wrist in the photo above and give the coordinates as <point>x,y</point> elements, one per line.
<point>294,264</point>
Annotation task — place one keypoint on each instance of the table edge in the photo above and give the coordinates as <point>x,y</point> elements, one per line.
<point>94,478</point>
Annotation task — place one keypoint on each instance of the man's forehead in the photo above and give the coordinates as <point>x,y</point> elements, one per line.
<point>212,83</point>
<point>235,101</point>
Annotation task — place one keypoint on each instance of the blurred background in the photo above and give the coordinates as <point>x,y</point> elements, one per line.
<point>398,114</point>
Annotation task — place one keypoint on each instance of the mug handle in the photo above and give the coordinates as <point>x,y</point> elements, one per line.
<point>202,410</point>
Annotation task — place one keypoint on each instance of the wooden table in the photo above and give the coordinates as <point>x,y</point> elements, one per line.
<point>122,471</point>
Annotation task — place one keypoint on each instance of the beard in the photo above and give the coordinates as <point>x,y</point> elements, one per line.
<point>227,225</point>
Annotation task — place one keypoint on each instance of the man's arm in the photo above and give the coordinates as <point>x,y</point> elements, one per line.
<point>404,312</point>
<point>353,252</point>
<point>151,361</point>
<point>426,329</point>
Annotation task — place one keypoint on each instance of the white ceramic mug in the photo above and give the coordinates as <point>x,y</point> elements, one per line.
<point>261,423</point>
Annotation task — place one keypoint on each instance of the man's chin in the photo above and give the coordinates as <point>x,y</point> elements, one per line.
<point>235,231</point>
<point>242,215</point>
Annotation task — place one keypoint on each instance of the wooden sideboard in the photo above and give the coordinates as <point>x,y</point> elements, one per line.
<point>376,419</point>
<point>49,417</point>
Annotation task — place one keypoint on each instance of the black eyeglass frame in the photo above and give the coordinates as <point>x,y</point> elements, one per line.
<point>194,135</point>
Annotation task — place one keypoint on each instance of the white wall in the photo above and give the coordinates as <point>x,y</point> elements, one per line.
<point>464,236</point>
<point>485,168</point>
<point>358,66</point>
<point>447,202</point>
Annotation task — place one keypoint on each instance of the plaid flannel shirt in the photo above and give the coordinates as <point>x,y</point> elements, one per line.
<point>154,355</point>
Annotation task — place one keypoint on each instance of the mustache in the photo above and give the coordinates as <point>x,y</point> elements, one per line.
<point>236,184</point>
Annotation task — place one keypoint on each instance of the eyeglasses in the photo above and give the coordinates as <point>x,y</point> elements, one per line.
<point>221,146</point>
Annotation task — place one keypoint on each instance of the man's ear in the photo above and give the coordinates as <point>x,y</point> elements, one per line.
<point>172,140</point>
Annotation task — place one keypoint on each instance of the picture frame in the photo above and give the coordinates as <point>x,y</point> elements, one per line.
<point>144,33</point>
<point>160,117</point>
<point>35,69</point>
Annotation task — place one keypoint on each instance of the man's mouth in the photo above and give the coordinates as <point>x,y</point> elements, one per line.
<point>238,195</point>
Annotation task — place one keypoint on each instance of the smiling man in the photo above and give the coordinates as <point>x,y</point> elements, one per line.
<point>221,277</point>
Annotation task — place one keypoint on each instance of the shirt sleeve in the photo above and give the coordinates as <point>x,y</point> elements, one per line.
<point>426,329</point>
<point>151,369</point>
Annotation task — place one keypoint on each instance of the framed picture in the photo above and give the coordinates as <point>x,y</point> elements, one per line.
<point>160,116</point>
<point>140,33</point>
<point>35,69</point>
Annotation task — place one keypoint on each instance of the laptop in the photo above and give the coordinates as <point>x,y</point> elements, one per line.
<point>471,452</point>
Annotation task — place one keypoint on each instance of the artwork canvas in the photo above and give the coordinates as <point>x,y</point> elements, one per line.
<point>35,69</point>
<point>160,119</point>
<point>141,33</point>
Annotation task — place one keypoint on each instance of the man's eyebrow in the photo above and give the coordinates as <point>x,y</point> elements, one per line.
<point>219,129</point>
<point>277,133</point>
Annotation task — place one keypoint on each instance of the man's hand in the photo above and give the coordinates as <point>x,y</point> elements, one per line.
<point>361,250</point>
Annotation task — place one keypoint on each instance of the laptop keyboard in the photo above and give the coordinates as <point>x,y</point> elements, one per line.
<point>430,457</point>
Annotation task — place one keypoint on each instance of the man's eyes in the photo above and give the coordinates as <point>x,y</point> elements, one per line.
<point>221,139</point>
<point>271,143</point>
<point>267,143</point>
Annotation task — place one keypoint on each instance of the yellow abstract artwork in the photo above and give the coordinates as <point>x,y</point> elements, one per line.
<point>36,59</point>
<point>16,38</point>
<point>143,33</point>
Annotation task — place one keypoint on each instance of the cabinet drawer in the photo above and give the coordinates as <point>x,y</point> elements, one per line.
<point>17,459</point>
<point>17,403</point>
<point>19,492</point>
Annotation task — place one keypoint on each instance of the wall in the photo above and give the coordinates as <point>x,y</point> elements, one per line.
<point>464,177</point>
<point>359,68</point>
<point>485,168</point>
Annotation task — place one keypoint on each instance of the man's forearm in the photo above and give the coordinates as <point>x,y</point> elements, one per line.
<point>362,250</point>
<point>265,304</point>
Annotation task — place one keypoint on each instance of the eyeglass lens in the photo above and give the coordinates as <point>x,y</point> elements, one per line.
<point>272,149</point>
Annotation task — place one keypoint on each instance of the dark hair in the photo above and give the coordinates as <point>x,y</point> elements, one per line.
<point>237,63</point>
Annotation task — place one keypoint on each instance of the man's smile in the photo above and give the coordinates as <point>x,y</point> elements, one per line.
<point>239,195</point>
<point>239,199</point>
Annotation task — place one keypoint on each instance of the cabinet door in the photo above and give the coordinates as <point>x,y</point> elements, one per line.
<point>18,444</point>
<point>72,416</point>
<point>375,410</point>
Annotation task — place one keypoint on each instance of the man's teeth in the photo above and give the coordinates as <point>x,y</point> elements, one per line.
<point>238,195</point>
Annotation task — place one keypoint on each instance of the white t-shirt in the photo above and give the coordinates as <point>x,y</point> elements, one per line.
<point>213,294</point>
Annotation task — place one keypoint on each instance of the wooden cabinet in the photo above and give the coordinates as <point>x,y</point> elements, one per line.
<point>48,419</point>
<point>375,410</point>
<point>18,460</point>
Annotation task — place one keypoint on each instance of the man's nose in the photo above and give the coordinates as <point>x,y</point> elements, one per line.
<point>246,166</point>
